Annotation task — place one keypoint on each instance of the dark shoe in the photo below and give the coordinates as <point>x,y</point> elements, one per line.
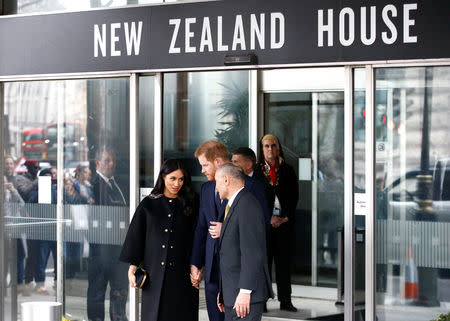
<point>265,308</point>
<point>287,306</point>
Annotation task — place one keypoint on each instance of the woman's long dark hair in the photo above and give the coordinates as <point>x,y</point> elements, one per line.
<point>185,194</point>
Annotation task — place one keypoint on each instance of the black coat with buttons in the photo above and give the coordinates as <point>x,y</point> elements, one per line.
<point>160,239</point>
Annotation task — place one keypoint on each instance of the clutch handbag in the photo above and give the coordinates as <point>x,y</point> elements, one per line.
<point>141,276</point>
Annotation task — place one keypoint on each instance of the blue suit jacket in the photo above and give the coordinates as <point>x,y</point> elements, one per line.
<point>204,246</point>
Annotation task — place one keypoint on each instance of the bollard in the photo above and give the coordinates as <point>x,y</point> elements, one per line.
<point>41,311</point>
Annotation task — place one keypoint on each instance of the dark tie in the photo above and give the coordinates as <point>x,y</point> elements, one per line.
<point>116,194</point>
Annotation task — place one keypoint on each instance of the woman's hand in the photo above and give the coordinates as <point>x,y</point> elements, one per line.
<point>131,277</point>
<point>276,221</point>
<point>196,276</point>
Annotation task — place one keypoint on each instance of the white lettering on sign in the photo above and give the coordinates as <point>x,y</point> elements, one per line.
<point>133,38</point>
<point>220,45</point>
<point>189,35</point>
<point>131,34</point>
<point>347,20</point>
<point>176,24</point>
<point>206,39</point>
<point>346,16</point>
<point>407,22</point>
<point>276,18</point>
<point>254,28</point>
<point>238,35</point>
<point>389,10</point>
<point>322,28</point>
<point>373,26</point>
<point>257,31</point>
<point>114,39</point>
<point>100,40</point>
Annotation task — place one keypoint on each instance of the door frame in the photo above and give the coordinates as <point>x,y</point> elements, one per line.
<point>269,82</point>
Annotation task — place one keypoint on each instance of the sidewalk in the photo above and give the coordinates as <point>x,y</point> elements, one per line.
<point>307,309</point>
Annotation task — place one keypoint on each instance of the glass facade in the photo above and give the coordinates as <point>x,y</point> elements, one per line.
<point>292,117</point>
<point>146,130</point>
<point>200,106</point>
<point>66,195</point>
<point>412,192</point>
<point>62,138</point>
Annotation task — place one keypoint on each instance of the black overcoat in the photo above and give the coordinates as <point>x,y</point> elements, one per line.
<point>160,238</point>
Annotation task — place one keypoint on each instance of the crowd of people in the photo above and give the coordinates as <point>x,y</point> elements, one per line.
<point>229,235</point>
<point>80,187</point>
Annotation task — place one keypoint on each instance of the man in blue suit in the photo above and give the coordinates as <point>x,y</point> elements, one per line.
<point>205,252</point>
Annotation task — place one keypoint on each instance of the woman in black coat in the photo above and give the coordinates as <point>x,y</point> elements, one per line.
<point>281,187</point>
<point>159,239</point>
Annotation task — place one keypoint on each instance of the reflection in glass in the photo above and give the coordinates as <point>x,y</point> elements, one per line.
<point>359,110</point>
<point>330,184</point>
<point>290,117</point>
<point>200,106</point>
<point>30,195</point>
<point>146,130</point>
<point>96,197</point>
<point>413,203</point>
<point>359,158</point>
<point>95,116</point>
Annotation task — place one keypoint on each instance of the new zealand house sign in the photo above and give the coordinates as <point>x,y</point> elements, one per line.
<point>191,35</point>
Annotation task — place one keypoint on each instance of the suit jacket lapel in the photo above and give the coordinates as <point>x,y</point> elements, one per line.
<point>230,213</point>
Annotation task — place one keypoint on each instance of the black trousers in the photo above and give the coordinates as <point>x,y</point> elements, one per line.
<point>279,251</point>
<point>103,268</point>
<point>211,292</point>
<point>31,261</point>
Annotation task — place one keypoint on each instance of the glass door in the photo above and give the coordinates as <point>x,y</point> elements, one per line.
<point>412,200</point>
<point>63,140</point>
<point>304,108</point>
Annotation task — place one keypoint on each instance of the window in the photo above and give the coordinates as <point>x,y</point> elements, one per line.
<point>89,134</point>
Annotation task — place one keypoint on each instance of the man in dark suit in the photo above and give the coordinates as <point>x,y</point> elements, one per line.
<point>245,283</point>
<point>204,260</point>
<point>245,158</point>
<point>103,265</point>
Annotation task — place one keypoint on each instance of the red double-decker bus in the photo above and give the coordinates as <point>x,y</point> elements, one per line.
<point>33,144</point>
<point>41,143</point>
